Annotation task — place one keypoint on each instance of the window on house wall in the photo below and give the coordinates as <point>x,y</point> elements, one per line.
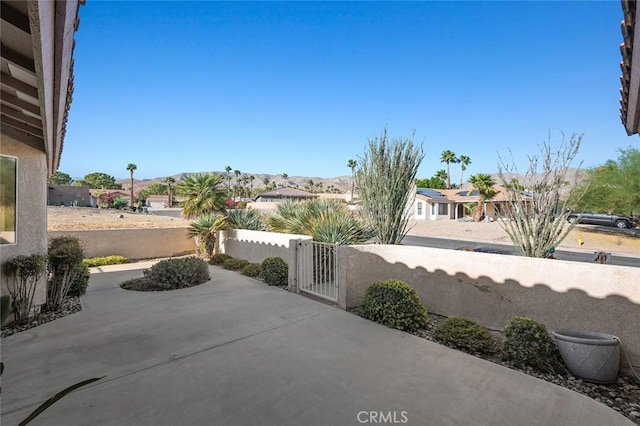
<point>8,199</point>
<point>433,209</point>
<point>443,209</point>
<point>419,208</point>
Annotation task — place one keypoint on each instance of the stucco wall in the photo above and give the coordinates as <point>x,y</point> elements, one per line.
<point>31,209</point>
<point>494,288</point>
<point>255,246</point>
<point>133,243</point>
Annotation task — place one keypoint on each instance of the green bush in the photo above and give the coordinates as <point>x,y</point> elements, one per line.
<point>466,335</point>
<point>64,256</point>
<point>235,264</point>
<point>394,304</point>
<point>105,260</point>
<point>275,271</point>
<point>171,274</point>
<point>219,258</point>
<point>528,344</point>
<point>81,282</point>
<point>252,270</point>
<point>22,274</point>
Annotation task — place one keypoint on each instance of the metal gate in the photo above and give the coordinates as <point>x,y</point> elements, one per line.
<point>317,269</point>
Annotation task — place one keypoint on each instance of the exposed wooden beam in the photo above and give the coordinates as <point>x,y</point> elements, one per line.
<point>8,121</point>
<point>18,85</point>
<point>11,100</point>
<point>19,115</point>
<point>26,138</point>
<point>17,59</point>
<point>15,18</point>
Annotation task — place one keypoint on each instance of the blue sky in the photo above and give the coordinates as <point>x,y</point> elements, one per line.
<point>300,87</point>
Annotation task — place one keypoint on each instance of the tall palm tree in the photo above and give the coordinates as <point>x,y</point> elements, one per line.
<point>169,181</point>
<point>266,181</point>
<point>352,164</point>
<point>448,157</point>
<point>464,160</point>
<point>251,179</point>
<point>228,178</point>
<point>203,194</point>
<point>131,167</point>
<point>483,183</point>
<point>285,177</point>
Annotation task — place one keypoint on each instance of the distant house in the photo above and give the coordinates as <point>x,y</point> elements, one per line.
<point>162,201</point>
<point>452,204</point>
<point>70,195</point>
<point>282,194</point>
<point>108,195</point>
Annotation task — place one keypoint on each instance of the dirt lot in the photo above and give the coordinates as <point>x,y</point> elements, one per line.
<point>73,218</point>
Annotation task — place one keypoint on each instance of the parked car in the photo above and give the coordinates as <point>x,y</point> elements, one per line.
<point>601,219</point>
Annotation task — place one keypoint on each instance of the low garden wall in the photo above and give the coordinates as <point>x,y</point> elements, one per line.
<point>492,288</point>
<point>133,243</point>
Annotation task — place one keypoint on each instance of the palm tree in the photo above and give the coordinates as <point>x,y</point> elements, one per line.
<point>352,164</point>
<point>251,179</point>
<point>483,183</point>
<point>228,177</point>
<point>131,167</point>
<point>203,194</point>
<point>464,161</point>
<point>266,181</point>
<point>310,185</point>
<point>204,231</point>
<point>285,177</point>
<point>448,157</point>
<point>169,180</point>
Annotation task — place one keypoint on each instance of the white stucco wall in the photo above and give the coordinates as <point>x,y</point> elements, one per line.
<point>255,246</point>
<point>493,288</point>
<point>31,209</point>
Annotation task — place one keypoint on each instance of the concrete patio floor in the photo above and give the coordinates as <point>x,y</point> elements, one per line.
<point>234,351</point>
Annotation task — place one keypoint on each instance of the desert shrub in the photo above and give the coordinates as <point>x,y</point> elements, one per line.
<point>245,219</point>
<point>23,274</point>
<point>65,256</point>
<point>219,258</point>
<point>105,260</point>
<point>528,344</point>
<point>235,264</point>
<point>252,270</point>
<point>275,271</point>
<point>81,282</point>
<point>120,202</point>
<point>171,274</point>
<point>394,304</point>
<point>466,335</point>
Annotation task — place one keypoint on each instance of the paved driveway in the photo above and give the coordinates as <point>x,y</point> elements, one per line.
<point>236,352</point>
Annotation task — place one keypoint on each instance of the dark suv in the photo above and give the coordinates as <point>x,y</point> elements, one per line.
<point>600,219</point>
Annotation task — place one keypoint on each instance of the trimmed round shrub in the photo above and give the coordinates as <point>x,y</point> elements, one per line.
<point>171,274</point>
<point>64,260</point>
<point>529,344</point>
<point>394,304</point>
<point>235,264</point>
<point>275,271</point>
<point>105,260</point>
<point>219,258</point>
<point>252,270</point>
<point>465,335</point>
<point>80,284</point>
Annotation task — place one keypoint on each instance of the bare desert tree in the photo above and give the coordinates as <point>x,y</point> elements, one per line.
<point>537,205</point>
<point>385,179</point>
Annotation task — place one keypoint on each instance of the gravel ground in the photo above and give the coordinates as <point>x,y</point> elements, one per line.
<point>70,306</point>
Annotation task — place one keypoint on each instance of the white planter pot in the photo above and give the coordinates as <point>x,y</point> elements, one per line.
<point>589,355</point>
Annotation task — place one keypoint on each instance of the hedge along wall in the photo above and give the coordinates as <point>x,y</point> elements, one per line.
<point>492,288</point>
<point>255,246</point>
<point>133,243</point>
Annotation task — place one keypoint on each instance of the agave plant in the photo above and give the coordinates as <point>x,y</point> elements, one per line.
<point>326,221</point>
<point>204,230</point>
<point>245,219</point>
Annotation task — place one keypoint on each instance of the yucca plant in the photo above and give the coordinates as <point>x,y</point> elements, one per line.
<point>245,219</point>
<point>327,221</point>
<point>204,230</point>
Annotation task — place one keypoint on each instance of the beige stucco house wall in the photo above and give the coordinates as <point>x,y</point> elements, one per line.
<point>31,209</point>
